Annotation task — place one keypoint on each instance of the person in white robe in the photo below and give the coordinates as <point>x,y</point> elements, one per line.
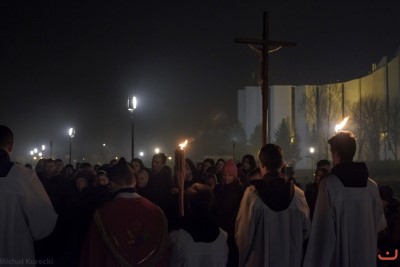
<point>26,212</point>
<point>273,219</point>
<point>348,213</point>
<point>199,241</point>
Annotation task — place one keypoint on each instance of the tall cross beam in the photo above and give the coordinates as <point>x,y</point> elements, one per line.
<point>267,46</point>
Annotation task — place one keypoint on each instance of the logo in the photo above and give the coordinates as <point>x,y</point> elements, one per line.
<point>389,258</point>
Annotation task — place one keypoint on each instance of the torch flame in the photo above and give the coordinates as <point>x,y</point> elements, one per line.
<point>183,144</point>
<point>340,126</point>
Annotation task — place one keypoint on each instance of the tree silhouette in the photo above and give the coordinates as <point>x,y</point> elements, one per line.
<point>288,141</point>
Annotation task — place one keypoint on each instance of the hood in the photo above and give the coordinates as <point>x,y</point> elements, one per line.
<point>275,191</point>
<point>352,174</point>
<point>201,228</point>
<point>5,163</point>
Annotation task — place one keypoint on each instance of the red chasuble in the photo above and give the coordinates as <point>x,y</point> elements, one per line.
<point>125,232</point>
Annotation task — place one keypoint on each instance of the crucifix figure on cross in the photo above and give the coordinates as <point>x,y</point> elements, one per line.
<point>267,46</point>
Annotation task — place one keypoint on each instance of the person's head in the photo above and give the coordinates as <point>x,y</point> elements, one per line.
<point>271,158</point>
<point>121,175</point>
<point>210,180</point>
<point>219,165</point>
<point>113,162</point>
<point>142,178</point>
<point>324,164</point>
<point>248,162</point>
<point>207,163</point>
<point>254,174</point>
<point>137,165</point>
<point>49,167</point>
<point>68,171</point>
<point>386,194</point>
<point>229,172</point>
<point>83,178</point>
<point>6,139</point>
<point>320,173</point>
<point>59,166</point>
<point>190,169</point>
<point>86,166</point>
<point>158,162</point>
<point>102,178</point>
<point>29,166</point>
<point>343,147</point>
<point>199,199</point>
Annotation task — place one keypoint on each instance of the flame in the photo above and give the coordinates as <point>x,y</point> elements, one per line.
<point>182,146</point>
<point>340,126</point>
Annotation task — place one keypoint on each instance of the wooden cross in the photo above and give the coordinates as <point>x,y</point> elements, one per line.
<point>267,46</point>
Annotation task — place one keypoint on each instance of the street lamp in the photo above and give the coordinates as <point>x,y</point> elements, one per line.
<point>71,133</point>
<point>312,151</point>
<point>131,108</point>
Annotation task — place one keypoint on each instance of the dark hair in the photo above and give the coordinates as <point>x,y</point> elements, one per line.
<point>162,156</point>
<point>200,198</point>
<point>271,156</point>
<point>252,160</point>
<point>121,173</point>
<point>6,136</point>
<point>139,161</point>
<point>323,162</point>
<point>344,144</point>
<point>191,166</point>
<point>386,192</point>
<point>253,172</point>
<point>209,160</point>
<point>219,161</point>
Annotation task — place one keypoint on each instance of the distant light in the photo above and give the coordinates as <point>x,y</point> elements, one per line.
<point>104,144</point>
<point>170,158</point>
<point>43,147</point>
<point>34,158</point>
<point>83,159</point>
<point>292,140</point>
<point>132,103</point>
<point>71,132</point>
<point>35,150</point>
<point>116,158</point>
<point>141,153</point>
<point>40,154</point>
<point>312,150</point>
<point>31,152</point>
<point>157,150</point>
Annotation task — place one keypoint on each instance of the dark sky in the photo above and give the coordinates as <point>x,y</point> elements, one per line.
<point>66,63</point>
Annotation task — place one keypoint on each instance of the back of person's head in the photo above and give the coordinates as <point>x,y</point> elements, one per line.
<point>323,162</point>
<point>121,174</point>
<point>199,198</point>
<point>254,174</point>
<point>6,138</point>
<point>271,156</point>
<point>161,156</point>
<point>344,144</point>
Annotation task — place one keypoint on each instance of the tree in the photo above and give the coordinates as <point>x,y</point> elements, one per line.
<point>393,134</point>
<point>369,117</point>
<point>255,141</point>
<point>322,105</point>
<point>289,141</point>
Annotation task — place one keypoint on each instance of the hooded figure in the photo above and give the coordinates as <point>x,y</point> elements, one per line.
<point>273,219</point>
<point>348,213</point>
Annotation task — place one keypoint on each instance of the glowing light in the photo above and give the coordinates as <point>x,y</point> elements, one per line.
<point>32,153</point>
<point>132,102</point>
<point>170,158</point>
<point>43,147</point>
<point>141,153</point>
<point>40,154</point>
<point>340,126</point>
<point>312,150</point>
<point>71,132</point>
<point>182,146</point>
<point>157,150</point>
<point>35,150</point>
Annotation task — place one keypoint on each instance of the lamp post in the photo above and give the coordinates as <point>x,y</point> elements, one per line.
<point>131,108</point>
<point>71,133</point>
<point>312,151</point>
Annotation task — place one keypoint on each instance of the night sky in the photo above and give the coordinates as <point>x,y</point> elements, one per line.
<point>73,64</point>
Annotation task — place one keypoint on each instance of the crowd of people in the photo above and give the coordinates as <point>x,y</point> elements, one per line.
<point>235,214</point>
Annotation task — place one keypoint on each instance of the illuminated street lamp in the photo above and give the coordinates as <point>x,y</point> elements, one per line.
<point>131,107</point>
<point>157,150</point>
<point>312,151</point>
<point>141,153</point>
<point>71,133</point>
